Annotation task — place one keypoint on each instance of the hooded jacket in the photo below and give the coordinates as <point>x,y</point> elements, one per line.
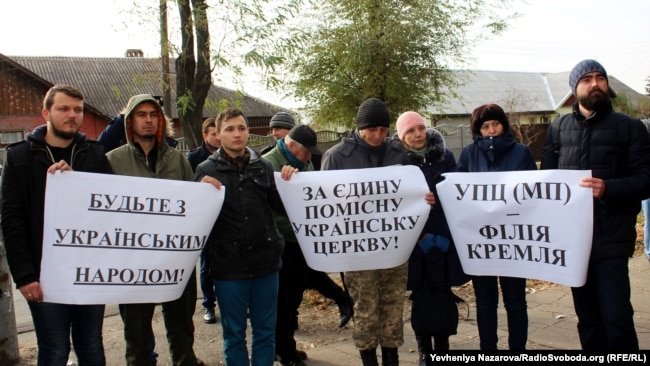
<point>23,196</point>
<point>130,160</point>
<point>594,143</point>
<point>245,242</point>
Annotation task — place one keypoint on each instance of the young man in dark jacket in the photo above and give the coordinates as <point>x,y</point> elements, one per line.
<point>58,145</point>
<point>616,148</point>
<point>245,246</point>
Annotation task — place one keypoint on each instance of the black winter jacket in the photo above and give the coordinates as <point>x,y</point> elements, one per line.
<point>244,242</point>
<point>594,144</point>
<point>198,155</point>
<point>496,154</point>
<point>23,197</point>
<point>354,153</point>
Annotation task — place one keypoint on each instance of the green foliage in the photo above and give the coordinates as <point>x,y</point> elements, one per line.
<point>216,106</point>
<point>398,51</point>
<point>247,35</point>
<point>216,37</point>
<point>185,103</point>
<point>639,108</point>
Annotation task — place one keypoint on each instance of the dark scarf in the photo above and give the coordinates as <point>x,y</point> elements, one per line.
<point>495,147</point>
<point>293,161</point>
<point>239,162</point>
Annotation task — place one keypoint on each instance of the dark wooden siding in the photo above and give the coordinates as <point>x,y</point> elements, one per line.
<point>21,102</point>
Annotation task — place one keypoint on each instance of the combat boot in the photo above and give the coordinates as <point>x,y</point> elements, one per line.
<point>369,357</point>
<point>389,356</point>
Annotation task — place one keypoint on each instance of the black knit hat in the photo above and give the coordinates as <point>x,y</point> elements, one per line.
<point>488,112</point>
<point>282,120</point>
<point>581,69</point>
<point>373,113</point>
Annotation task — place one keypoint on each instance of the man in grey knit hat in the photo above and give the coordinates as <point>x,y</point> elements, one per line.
<point>616,148</point>
<point>281,123</point>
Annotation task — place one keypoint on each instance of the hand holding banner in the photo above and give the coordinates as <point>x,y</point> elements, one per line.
<point>530,224</point>
<point>112,239</point>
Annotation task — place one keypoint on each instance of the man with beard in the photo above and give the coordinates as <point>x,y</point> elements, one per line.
<point>58,145</point>
<point>616,148</point>
<point>147,154</point>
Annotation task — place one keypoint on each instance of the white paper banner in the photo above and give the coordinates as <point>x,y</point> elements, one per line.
<point>531,224</point>
<point>357,219</point>
<point>111,239</point>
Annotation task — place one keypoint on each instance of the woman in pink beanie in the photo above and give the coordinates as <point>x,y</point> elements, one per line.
<point>434,262</point>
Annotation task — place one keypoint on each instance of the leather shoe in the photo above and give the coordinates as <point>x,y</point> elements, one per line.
<point>346,311</point>
<point>209,316</point>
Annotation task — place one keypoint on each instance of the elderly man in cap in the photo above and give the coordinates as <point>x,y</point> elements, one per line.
<point>281,124</point>
<point>296,150</point>
<point>616,148</point>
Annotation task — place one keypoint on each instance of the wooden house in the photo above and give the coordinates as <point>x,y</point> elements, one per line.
<point>107,85</point>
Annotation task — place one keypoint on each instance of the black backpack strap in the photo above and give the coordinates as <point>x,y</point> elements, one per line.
<point>555,134</point>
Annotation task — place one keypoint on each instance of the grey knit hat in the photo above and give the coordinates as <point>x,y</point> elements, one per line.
<point>581,69</point>
<point>282,120</point>
<point>373,113</point>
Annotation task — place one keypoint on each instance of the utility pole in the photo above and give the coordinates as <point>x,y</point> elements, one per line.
<point>164,54</point>
<point>9,354</point>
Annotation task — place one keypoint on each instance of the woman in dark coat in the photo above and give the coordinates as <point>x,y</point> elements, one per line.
<point>496,150</point>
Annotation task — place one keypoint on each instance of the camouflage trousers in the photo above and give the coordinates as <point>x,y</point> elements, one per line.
<point>378,306</point>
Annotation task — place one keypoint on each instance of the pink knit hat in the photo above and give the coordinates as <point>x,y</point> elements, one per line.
<point>406,121</point>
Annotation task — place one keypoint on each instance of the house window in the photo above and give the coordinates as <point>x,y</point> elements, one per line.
<point>9,137</point>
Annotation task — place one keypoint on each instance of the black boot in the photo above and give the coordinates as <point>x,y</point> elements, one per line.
<point>369,357</point>
<point>389,356</point>
<point>425,348</point>
<point>441,343</point>
<point>346,309</point>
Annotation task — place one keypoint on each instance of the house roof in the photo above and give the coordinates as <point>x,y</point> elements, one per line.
<point>108,83</point>
<point>522,91</point>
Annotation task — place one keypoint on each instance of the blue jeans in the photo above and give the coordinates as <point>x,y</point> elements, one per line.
<point>207,287</point>
<point>487,300</point>
<point>645,204</point>
<point>258,298</point>
<point>605,313</point>
<point>55,323</point>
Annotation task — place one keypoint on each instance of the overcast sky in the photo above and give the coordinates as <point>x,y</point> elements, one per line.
<point>550,36</point>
